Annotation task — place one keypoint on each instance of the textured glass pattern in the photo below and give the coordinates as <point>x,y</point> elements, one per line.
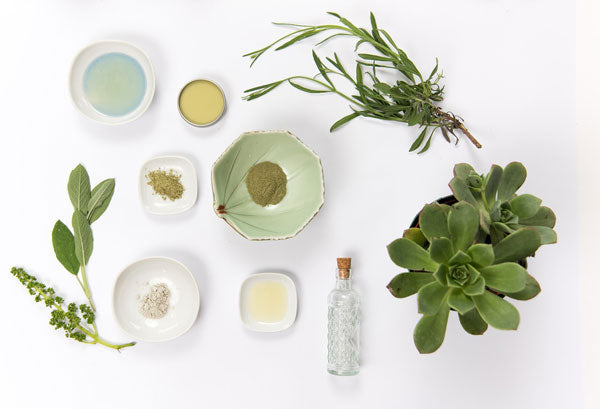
<point>343,339</point>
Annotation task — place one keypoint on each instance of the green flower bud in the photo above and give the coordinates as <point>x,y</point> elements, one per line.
<point>474,180</point>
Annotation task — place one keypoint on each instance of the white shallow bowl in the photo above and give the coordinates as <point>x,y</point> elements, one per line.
<point>89,54</point>
<point>292,307</point>
<point>134,283</point>
<point>154,203</point>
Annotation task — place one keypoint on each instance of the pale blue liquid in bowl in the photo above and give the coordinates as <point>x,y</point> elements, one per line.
<point>114,84</point>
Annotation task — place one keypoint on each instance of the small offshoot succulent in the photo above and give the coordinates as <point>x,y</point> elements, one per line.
<point>502,211</point>
<point>451,267</point>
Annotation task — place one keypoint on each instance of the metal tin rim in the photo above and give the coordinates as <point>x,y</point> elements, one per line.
<point>217,118</point>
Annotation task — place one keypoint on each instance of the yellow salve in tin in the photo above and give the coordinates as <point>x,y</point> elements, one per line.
<point>201,102</point>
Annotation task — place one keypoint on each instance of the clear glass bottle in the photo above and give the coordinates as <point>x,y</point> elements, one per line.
<point>343,324</point>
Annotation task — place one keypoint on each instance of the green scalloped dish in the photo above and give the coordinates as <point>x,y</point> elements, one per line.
<point>305,188</point>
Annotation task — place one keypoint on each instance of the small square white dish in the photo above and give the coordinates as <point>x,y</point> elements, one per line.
<point>154,203</point>
<point>289,316</point>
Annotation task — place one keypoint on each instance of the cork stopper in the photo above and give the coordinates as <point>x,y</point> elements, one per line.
<point>344,267</point>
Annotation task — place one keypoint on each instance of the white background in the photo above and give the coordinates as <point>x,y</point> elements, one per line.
<point>509,69</point>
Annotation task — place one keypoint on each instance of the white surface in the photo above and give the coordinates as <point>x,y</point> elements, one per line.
<point>136,281</point>
<point>154,203</point>
<point>509,66</point>
<point>292,303</point>
<point>86,56</point>
<point>588,128</point>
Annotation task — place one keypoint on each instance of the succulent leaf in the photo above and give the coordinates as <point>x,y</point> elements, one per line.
<point>512,179</point>
<point>518,245</point>
<point>532,288</point>
<point>497,312</point>
<point>547,235</point>
<point>433,221</point>
<point>505,277</point>
<point>408,254</point>
<point>430,330</point>
<point>460,258</point>
<point>475,288</point>
<point>441,250</point>
<point>431,297</point>
<point>461,191</point>
<point>482,255</point>
<point>407,284</point>
<point>463,224</point>
<point>415,234</point>
<point>492,183</point>
<point>459,301</point>
<point>544,217</point>
<point>462,170</point>
<point>472,322</point>
<point>525,205</point>
<point>441,275</point>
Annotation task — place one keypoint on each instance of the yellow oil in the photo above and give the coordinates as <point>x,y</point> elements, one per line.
<point>267,301</point>
<point>201,102</point>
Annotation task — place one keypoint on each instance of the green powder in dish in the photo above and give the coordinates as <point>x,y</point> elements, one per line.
<point>266,183</point>
<point>166,184</point>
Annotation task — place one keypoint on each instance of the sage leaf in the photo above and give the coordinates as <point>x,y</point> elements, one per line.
<point>407,284</point>
<point>497,312</point>
<point>408,254</point>
<point>84,241</point>
<point>100,199</point>
<point>472,322</point>
<point>64,247</point>
<point>79,188</point>
<point>431,330</point>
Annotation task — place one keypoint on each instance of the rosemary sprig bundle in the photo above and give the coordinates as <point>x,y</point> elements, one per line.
<point>413,99</point>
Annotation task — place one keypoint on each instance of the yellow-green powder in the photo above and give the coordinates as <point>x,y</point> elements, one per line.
<point>266,183</point>
<point>166,184</point>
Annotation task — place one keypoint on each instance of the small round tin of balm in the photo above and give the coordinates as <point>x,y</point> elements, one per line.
<point>201,102</point>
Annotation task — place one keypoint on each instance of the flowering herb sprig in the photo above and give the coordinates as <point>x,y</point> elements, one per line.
<point>412,100</point>
<point>73,251</point>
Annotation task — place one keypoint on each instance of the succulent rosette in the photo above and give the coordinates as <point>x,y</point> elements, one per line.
<point>451,267</point>
<point>502,211</point>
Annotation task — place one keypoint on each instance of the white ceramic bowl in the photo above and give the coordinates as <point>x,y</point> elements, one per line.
<point>292,306</point>
<point>89,54</point>
<point>134,282</point>
<point>154,203</point>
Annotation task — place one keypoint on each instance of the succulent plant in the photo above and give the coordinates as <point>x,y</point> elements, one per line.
<point>452,268</point>
<point>502,211</point>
